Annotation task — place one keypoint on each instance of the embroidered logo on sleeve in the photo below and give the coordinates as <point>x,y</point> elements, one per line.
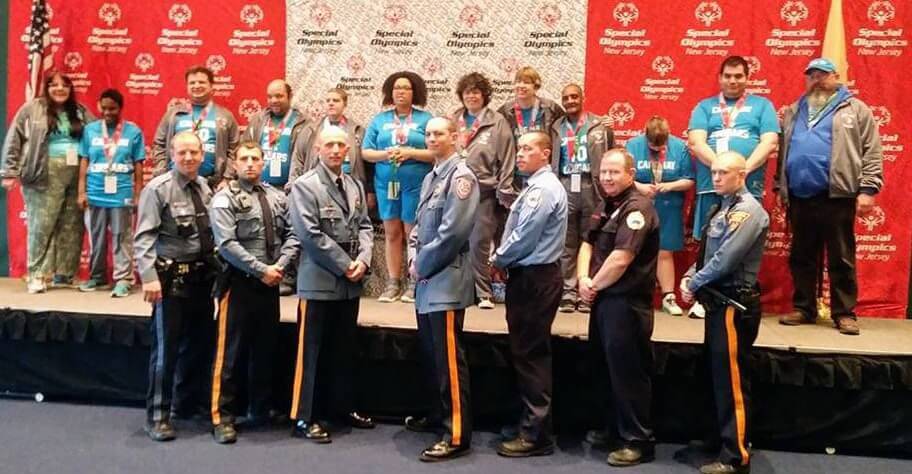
<point>463,187</point>
<point>636,220</point>
<point>534,198</point>
<point>736,218</point>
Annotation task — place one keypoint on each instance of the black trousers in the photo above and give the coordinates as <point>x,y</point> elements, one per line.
<point>325,361</point>
<point>533,295</point>
<point>729,336</point>
<point>181,356</point>
<point>620,328</point>
<point>247,325</point>
<point>442,331</point>
<point>820,223</point>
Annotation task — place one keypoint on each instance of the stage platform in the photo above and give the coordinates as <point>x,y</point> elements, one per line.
<point>814,388</point>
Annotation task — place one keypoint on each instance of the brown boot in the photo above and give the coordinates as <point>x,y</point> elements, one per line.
<point>795,318</point>
<point>847,325</point>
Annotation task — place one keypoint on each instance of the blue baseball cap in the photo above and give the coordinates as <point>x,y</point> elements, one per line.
<point>821,64</point>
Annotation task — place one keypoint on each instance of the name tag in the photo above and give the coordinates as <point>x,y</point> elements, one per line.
<point>110,184</point>
<point>72,159</point>
<point>575,183</point>
<point>275,167</point>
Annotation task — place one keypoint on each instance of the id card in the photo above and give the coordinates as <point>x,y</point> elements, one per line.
<point>72,159</point>
<point>576,184</point>
<point>275,167</point>
<point>721,145</point>
<point>392,190</point>
<point>110,184</point>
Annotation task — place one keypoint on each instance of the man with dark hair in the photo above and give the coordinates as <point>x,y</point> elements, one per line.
<point>530,251</point>
<point>582,139</point>
<point>214,124</point>
<point>733,120</point>
<point>110,179</point>
<point>831,167</point>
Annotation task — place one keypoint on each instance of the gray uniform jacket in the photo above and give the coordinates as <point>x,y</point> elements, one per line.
<point>164,203</point>
<point>439,242</point>
<point>857,160</point>
<point>226,140</point>
<point>734,244</point>
<point>332,232</point>
<point>599,139</point>
<point>239,229</point>
<point>301,131</point>
<point>305,156</point>
<point>492,155</point>
<point>25,149</point>
<point>551,113</point>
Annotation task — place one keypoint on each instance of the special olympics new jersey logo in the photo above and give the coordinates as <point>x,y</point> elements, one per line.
<point>753,64</point>
<point>549,14</point>
<point>621,112</point>
<point>72,60</point>
<point>395,13</point>
<point>793,12</point>
<point>708,13</point>
<point>882,115</point>
<point>355,64</point>
<point>663,65</point>
<point>216,63</point>
<point>251,15</point>
<point>249,107</point>
<point>873,219</point>
<point>626,13</point>
<point>881,12</point>
<point>321,13</point>
<point>509,65</point>
<point>144,61</point>
<point>315,109</point>
<point>471,15</point>
<point>180,14</point>
<point>109,13</point>
<point>432,66</point>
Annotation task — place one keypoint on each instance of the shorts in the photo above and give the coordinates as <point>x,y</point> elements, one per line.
<point>410,175</point>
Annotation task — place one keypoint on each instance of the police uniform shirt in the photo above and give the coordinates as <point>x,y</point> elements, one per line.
<point>627,222</point>
<point>165,205</point>
<point>537,225</point>
<point>734,244</point>
<point>239,229</point>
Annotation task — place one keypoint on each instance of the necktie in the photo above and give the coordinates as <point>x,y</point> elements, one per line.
<point>268,221</point>
<point>204,230</point>
<point>342,191</point>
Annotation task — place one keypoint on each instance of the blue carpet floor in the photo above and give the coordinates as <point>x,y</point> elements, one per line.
<point>51,438</point>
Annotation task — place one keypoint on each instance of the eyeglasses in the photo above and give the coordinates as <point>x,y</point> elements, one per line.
<point>402,88</point>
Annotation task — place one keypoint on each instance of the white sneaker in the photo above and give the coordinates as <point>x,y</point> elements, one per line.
<point>36,285</point>
<point>696,311</point>
<point>485,303</point>
<point>670,305</point>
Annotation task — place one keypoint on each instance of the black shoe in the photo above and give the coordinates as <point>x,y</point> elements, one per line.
<point>224,433</point>
<point>160,431</point>
<point>521,448</point>
<point>356,420</point>
<point>311,431</point>
<point>443,451</point>
<point>719,467</point>
<point>598,438</point>
<point>566,306</point>
<point>420,424</point>
<point>582,307</point>
<point>630,456</point>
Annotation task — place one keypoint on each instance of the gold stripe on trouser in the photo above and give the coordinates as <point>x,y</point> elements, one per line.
<point>299,360</point>
<point>454,377</point>
<point>219,358</point>
<point>735,374</point>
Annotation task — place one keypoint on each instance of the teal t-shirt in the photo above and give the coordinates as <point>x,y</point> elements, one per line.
<point>60,140</point>
<point>131,149</point>
<point>206,132</point>
<point>277,174</point>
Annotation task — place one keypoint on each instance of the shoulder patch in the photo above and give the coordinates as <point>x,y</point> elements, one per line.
<point>534,198</point>
<point>636,220</point>
<point>221,201</point>
<point>736,218</point>
<point>463,187</point>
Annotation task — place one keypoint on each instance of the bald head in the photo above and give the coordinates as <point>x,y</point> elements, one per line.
<point>278,97</point>
<point>440,136</point>
<point>332,144</point>
<point>729,170</point>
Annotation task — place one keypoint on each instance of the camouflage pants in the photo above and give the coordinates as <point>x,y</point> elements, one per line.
<point>54,223</point>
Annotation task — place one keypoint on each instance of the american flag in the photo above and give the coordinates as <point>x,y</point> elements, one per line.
<point>40,57</point>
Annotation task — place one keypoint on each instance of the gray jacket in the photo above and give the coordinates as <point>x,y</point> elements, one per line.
<point>439,242</point>
<point>226,140</point>
<point>304,156</point>
<point>25,149</point>
<point>599,139</point>
<point>301,131</point>
<point>551,112</point>
<point>333,233</point>
<point>492,155</point>
<point>857,160</point>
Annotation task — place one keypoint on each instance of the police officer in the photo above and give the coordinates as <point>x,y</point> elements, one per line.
<point>530,251</point>
<point>255,239</point>
<point>329,214</point>
<point>174,251</point>
<point>616,271</point>
<point>440,262</point>
<point>724,279</point>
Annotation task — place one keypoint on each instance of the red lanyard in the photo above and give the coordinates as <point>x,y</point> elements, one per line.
<point>465,134</point>
<point>520,123</point>
<point>110,144</point>
<point>276,132</point>
<point>328,123</point>
<point>202,116</point>
<point>660,156</point>
<point>400,135</point>
<point>728,118</point>
<point>575,136</point>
